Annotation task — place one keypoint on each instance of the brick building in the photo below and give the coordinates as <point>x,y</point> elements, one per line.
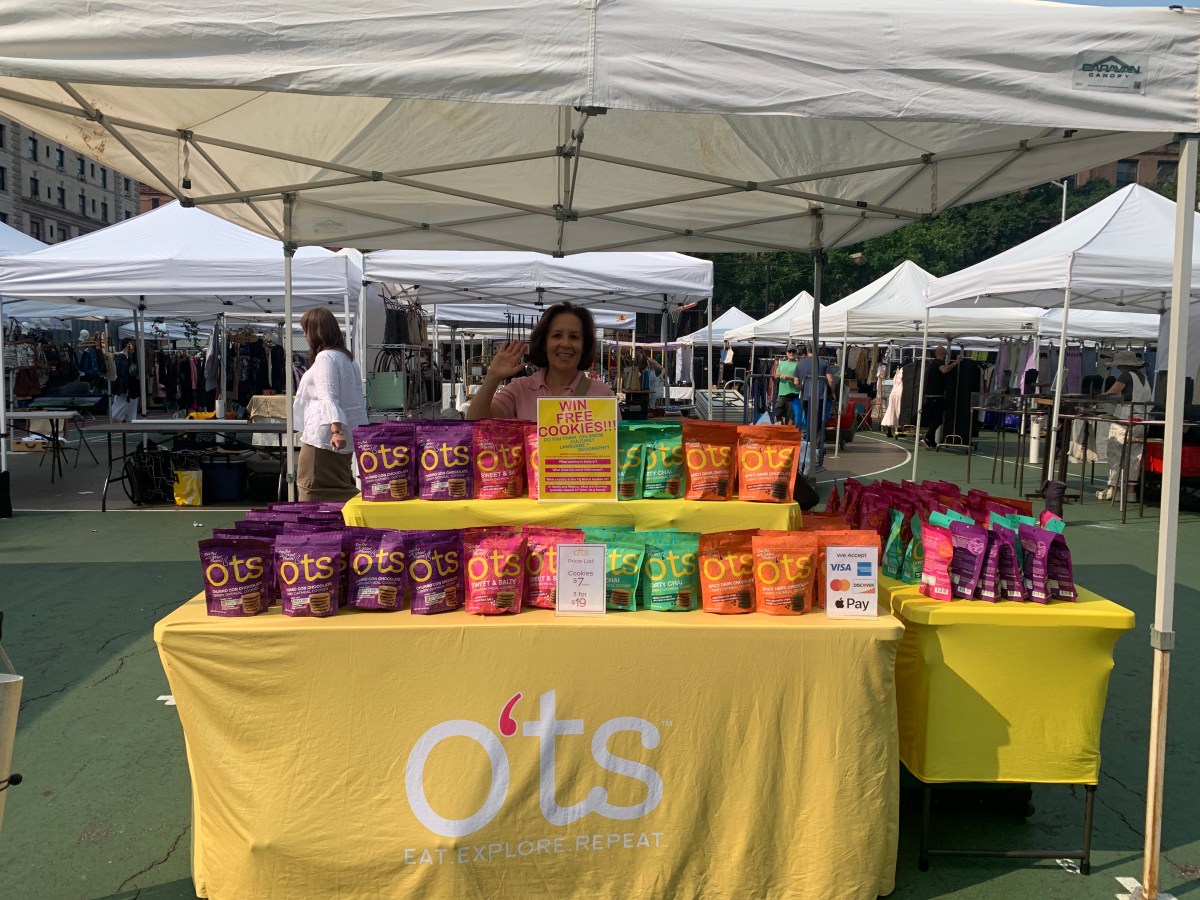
<point>53,193</point>
<point>1159,164</point>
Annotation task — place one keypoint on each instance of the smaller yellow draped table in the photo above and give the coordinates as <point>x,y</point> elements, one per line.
<point>684,515</point>
<point>1003,692</point>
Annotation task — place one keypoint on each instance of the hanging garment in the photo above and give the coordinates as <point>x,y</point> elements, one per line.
<point>1074,369</point>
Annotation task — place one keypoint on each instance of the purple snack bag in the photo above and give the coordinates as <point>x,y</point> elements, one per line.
<point>435,571</point>
<point>236,575</point>
<point>267,536</point>
<point>386,461</point>
<point>308,567</point>
<point>444,460</point>
<point>377,569</point>
<point>1048,573</point>
<point>1011,582</point>
<point>970,548</point>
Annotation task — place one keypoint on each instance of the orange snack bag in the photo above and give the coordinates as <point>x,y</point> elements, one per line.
<point>767,459</point>
<point>840,539</point>
<point>710,457</point>
<point>814,521</point>
<point>727,572</point>
<point>785,565</point>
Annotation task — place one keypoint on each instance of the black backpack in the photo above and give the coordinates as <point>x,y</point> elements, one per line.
<point>149,476</point>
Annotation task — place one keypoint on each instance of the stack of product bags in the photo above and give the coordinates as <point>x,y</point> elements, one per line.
<point>961,546</point>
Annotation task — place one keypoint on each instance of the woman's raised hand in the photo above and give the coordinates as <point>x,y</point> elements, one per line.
<point>508,360</point>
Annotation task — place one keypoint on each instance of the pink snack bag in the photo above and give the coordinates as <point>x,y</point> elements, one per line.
<point>531,459</point>
<point>541,563</point>
<point>498,449</point>
<point>495,571</point>
<point>939,556</point>
<point>308,569</point>
<point>237,575</point>
<point>435,571</point>
<point>386,461</point>
<point>834,503</point>
<point>970,550</point>
<point>444,460</point>
<point>377,569</point>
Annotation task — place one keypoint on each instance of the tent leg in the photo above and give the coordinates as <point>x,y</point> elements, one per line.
<point>1059,384</point>
<point>837,412</point>
<point>920,391</point>
<point>289,377</point>
<point>1162,633</point>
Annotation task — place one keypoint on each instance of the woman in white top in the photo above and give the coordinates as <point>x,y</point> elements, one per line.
<point>329,404</point>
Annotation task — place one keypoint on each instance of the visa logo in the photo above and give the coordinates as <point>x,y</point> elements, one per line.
<point>840,567</point>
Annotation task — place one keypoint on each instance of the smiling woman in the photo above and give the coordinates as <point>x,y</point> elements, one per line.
<point>562,346</point>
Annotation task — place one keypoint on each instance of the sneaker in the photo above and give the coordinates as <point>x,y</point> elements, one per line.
<point>925,442</point>
<point>1107,494</point>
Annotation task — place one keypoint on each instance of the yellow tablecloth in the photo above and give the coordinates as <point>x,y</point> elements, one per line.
<point>686,515</point>
<point>1003,692</point>
<point>650,754</point>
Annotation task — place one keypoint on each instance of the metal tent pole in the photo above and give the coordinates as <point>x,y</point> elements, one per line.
<point>1059,384</point>
<point>289,377</point>
<point>1162,633</point>
<point>139,326</point>
<point>920,387</point>
<point>710,342</point>
<point>837,413</point>
<point>3,397</point>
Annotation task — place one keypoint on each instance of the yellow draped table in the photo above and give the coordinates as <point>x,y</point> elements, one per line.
<point>1003,692</point>
<point>685,515</point>
<point>635,755</point>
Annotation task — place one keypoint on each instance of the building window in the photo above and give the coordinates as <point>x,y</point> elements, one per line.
<point>103,177</point>
<point>103,212</point>
<point>35,229</point>
<point>1127,172</point>
<point>154,203</point>
<point>2,135</point>
<point>93,205</point>
<point>79,168</point>
<point>60,159</point>
<point>1168,169</point>
<point>62,198</point>
<point>126,187</point>
<point>3,179</point>
<point>31,145</point>
<point>128,214</point>
<point>50,232</point>
<point>82,203</point>
<point>3,218</point>
<point>35,189</point>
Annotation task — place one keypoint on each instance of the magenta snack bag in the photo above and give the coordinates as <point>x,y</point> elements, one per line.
<point>377,569</point>
<point>834,503</point>
<point>444,460</point>
<point>873,515</point>
<point>1001,578</point>
<point>541,563</point>
<point>498,448</point>
<point>386,461</point>
<point>236,575</point>
<point>435,571</point>
<point>308,568</point>
<point>278,516</point>
<point>970,549</point>
<point>939,556</point>
<point>495,571</point>
<point>1048,574</point>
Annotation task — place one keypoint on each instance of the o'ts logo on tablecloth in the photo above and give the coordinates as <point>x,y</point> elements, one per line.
<point>547,728</point>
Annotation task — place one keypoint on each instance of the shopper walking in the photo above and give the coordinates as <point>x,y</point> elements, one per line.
<point>786,387</point>
<point>812,373</point>
<point>329,405</point>
<point>934,408</point>
<point>1132,387</point>
<point>562,346</point>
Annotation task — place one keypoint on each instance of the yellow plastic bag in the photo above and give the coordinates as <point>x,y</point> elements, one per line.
<point>202,415</point>
<point>189,487</point>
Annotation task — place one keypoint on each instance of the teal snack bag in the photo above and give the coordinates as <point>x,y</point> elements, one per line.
<point>663,478</point>
<point>631,462</point>
<point>622,573</point>
<point>603,534</point>
<point>670,576</point>
<point>914,556</point>
<point>893,550</point>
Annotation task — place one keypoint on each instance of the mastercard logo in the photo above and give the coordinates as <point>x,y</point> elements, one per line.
<point>839,584</point>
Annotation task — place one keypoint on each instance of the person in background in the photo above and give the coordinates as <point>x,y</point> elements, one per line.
<point>329,405</point>
<point>562,346</point>
<point>786,387</point>
<point>652,377</point>
<point>1132,386</point>
<point>822,382</point>
<point>934,409</point>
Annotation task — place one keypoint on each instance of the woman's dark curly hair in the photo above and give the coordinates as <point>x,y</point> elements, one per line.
<point>323,333</point>
<point>537,340</point>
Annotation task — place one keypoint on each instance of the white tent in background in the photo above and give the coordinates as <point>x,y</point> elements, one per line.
<point>721,326</point>
<point>14,243</point>
<point>888,305</point>
<point>773,328</point>
<point>811,126</point>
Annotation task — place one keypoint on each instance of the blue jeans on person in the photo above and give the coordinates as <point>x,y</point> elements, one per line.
<point>800,413</point>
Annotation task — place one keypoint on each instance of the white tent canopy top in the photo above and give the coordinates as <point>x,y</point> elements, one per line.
<point>887,305</point>
<point>576,126</point>
<point>178,259</point>
<point>1114,255</point>
<point>647,282</point>
<point>14,243</point>
<point>721,326</point>
<point>773,327</point>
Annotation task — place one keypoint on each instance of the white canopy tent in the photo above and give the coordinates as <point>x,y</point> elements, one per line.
<point>12,242</point>
<point>773,327</point>
<point>719,328</point>
<point>890,303</point>
<point>772,126</point>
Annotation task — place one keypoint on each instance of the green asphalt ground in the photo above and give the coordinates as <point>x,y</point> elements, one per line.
<point>104,808</point>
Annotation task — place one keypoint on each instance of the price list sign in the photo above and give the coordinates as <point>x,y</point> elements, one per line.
<point>577,448</point>
<point>579,590</point>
